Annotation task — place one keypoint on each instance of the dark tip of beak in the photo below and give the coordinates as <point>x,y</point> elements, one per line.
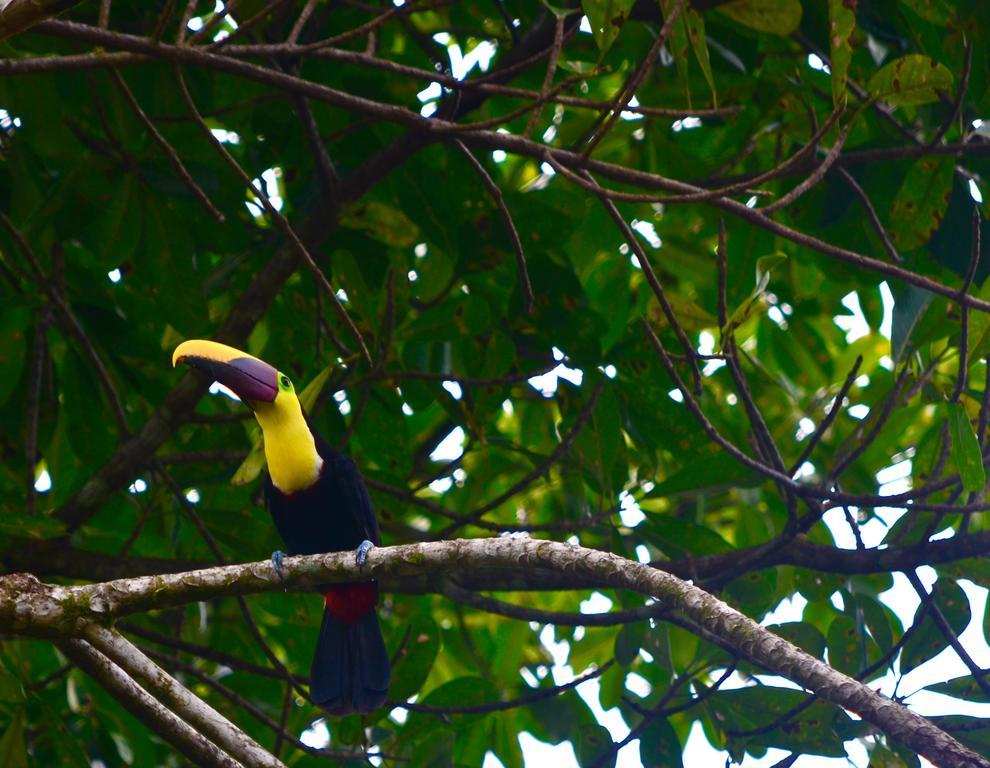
<point>248,378</point>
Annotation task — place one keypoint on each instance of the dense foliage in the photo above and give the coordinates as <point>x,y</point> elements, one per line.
<point>418,249</point>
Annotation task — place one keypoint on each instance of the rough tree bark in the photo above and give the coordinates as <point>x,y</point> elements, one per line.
<point>29,607</point>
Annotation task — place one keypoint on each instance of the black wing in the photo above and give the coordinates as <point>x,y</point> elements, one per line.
<point>354,497</point>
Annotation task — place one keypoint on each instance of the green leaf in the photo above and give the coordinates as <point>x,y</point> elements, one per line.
<point>119,229</point>
<point>961,688</point>
<point>659,745</point>
<point>841,26</point>
<point>928,641</point>
<point>802,634</point>
<point>420,643</point>
<point>690,316</point>
<point>14,321</point>
<point>606,18</point>
<point>13,753</point>
<point>764,266</point>
<point>965,451</point>
<point>383,222</point>
<point>921,202</point>
<point>688,31</point>
<point>592,743</point>
<point>778,17</point>
<point>846,649</point>
<point>910,80</point>
<point>628,642</point>
<point>909,307</point>
<point>251,467</point>
<point>937,11</point>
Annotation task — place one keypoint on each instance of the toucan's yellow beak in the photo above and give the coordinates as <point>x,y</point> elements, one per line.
<point>250,379</point>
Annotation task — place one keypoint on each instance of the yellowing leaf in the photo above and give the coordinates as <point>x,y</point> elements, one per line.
<point>382,222</point>
<point>911,79</point>
<point>778,17</point>
<point>921,202</point>
<point>841,25</point>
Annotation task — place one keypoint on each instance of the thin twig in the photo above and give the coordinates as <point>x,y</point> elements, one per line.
<point>167,148</point>
<point>496,193</point>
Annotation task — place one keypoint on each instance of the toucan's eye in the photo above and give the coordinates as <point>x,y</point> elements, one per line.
<point>285,382</point>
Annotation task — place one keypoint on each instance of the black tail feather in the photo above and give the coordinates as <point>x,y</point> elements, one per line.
<point>351,671</point>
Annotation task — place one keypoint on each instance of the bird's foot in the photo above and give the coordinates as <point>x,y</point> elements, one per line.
<point>277,557</point>
<point>362,552</point>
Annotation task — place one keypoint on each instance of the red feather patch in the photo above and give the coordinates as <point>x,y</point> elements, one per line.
<point>349,602</point>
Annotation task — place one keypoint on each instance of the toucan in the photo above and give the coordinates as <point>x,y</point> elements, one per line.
<point>319,503</point>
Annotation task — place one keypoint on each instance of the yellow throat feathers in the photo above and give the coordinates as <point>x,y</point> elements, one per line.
<point>290,449</point>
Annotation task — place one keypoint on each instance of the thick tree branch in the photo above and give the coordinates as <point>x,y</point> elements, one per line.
<point>178,698</point>
<point>31,608</point>
<point>137,701</point>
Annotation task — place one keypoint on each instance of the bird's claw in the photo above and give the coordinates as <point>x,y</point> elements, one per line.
<point>277,557</point>
<point>362,552</point>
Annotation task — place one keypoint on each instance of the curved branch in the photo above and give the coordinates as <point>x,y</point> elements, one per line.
<point>29,607</point>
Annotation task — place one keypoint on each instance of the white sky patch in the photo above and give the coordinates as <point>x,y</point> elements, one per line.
<point>816,63</point>
<point>627,115</point>
<point>115,275</point>
<point>610,371</point>
<point>431,92</point>
<point>859,411</point>
<point>270,178</point>
<point>585,25</point>
<point>43,482</point>
<point>676,395</point>
<point>192,496</point>
<point>547,170</point>
<point>638,685</point>
<point>546,383</point>
<point>706,346</point>
<point>491,761</point>
<point>642,553</point>
<point>413,275</point>
<point>806,428</point>
<point>450,448</point>
<point>507,408</point>
<point>217,388</point>
<point>596,603</point>
<point>441,485</point>
<point>629,510</point>
<point>407,409</point>
<point>454,388</point>
<point>343,404</point>
<point>138,486</point>
<point>854,324</point>
<point>195,23</point>
<point>317,735</point>
<point>563,756</point>
<point>225,137</point>
<point>753,200</point>
<point>648,231</point>
<point>498,156</point>
<point>7,121</point>
<point>837,602</point>
<point>974,192</point>
<point>789,609</point>
<point>686,124</point>
<point>888,313</point>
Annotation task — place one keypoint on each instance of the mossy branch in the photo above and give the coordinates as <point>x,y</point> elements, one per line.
<point>30,607</point>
